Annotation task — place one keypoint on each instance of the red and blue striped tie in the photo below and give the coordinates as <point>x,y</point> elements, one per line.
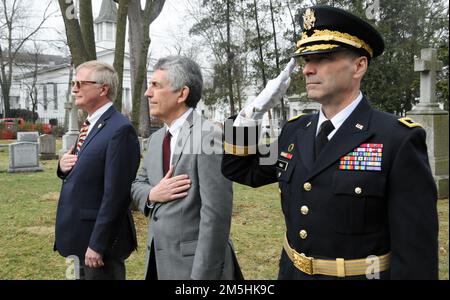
<point>83,134</point>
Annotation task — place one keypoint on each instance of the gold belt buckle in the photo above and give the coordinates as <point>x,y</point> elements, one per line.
<point>303,263</point>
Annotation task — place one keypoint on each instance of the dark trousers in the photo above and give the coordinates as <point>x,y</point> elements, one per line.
<point>113,269</point>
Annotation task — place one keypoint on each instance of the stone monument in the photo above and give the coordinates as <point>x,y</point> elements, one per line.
<point>433,119</point>
<point>31,137</point>
<point>47,147</point>
<point>23,157</point>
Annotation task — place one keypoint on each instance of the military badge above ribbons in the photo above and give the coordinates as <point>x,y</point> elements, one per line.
<point>367,157</point>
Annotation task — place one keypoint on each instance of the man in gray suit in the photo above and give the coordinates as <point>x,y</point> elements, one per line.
<point>180,185</point>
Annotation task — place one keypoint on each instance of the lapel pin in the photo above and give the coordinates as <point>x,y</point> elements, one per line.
<point>100,126</point>
<point>359,126</point>
<point>309,124</point>
<point>291,147</point>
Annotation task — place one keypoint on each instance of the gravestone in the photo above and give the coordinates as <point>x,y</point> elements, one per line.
<point>433,119</point>
<point>23,157</point>
<point>47,147</point>
<point>31,137</point>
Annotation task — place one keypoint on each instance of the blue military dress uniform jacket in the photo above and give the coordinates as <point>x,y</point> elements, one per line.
<point>370,192</point>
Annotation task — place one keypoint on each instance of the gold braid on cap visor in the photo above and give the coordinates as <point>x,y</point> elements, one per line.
<point>328,35</point>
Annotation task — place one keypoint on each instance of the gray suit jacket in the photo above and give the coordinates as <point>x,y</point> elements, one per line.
<point>190,235</point>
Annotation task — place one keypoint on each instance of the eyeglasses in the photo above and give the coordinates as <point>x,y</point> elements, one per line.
<point>79,83</point>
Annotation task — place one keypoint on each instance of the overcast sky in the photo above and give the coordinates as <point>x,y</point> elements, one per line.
<point>163,31</point>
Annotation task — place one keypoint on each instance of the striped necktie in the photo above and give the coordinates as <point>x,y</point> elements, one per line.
<point>83,134</point>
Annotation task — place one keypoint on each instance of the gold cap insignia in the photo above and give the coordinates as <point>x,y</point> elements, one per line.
<point>309,19</point>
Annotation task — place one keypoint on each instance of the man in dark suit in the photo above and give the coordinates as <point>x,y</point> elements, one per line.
<point>93,220</point>
<point>356,189</point>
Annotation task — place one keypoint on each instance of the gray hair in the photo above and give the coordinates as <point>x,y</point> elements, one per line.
<point>102,73</point>
<point>181,72</point>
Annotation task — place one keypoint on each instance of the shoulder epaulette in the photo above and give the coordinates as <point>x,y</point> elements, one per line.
<point>408,122</point>
<point>296,117</point>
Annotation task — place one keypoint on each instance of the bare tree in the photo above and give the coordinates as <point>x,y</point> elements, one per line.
<point>120,48</point>
<point>277,57</point>
<point>31,85</point>
<point>216,24</point>
<point>139,33</point>
<point>80,38</point>
<point>229,57</point>
<point>16,32</point>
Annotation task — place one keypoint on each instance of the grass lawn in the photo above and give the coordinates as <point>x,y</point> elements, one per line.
<point>27,212</point>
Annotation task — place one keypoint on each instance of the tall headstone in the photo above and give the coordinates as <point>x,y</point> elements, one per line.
<point>433,118</point>
<point>24,157</point>
<point>70,138</point>
<point>47,147</point>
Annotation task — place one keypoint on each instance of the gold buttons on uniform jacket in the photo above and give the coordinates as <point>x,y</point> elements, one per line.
<point>304,210</point>
<point>307,187</point>
<point>358,191</point>
<point>303,234</point>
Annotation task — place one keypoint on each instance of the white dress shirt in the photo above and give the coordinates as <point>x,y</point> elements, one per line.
<point>340,118</point>
<point>96,115</point>
<point>175,130</point>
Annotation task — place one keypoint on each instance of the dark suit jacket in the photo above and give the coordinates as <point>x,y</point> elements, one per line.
<point>353,213</point>
<point>94,205</point>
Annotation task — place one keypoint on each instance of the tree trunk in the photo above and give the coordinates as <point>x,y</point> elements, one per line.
<point>277,60</point>
<point>260,46</point>
<point>136,42</point>
<point>294,25</point>
<point>230,60</point>
<point>4,85</point>
<point>6,100</point>
<point>139,44</point>
<point>87,29</point>
<point>120,49</point>
<point>73,33</point>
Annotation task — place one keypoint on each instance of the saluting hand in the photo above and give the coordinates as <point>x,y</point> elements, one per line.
<point>271,95</point>
<point>170,188</point>
<point>67,161</point>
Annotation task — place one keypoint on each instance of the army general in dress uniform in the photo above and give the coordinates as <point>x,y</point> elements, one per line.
<point>357,192</point>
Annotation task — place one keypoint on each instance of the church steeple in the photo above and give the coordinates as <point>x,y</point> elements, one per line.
<point>108,12</point>
<point>105,25</point>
